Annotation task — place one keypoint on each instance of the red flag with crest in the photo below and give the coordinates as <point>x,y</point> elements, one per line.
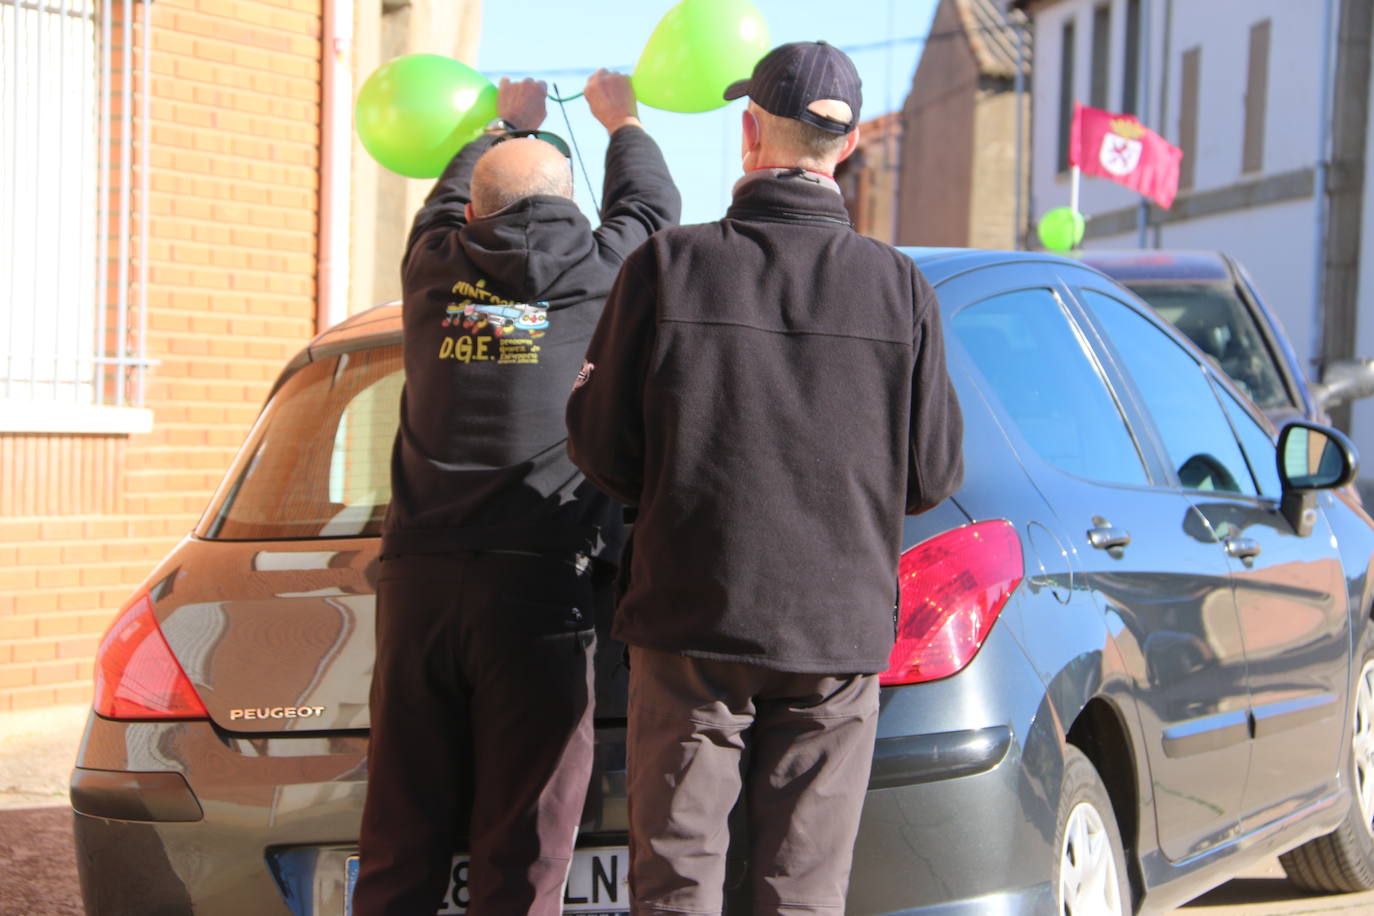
<point>1119,147</point>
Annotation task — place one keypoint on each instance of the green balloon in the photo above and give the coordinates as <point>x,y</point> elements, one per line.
<point>1060,229</point>
<point>415,112</point>
<point>697,49</point>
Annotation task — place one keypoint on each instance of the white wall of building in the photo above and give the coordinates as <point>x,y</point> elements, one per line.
<point>1221,29</point>
<point>1274,241</point>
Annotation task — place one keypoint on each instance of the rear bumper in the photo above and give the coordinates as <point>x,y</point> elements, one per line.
<point>138,785</point>
<point>957,820</point>
<point>961,821</point>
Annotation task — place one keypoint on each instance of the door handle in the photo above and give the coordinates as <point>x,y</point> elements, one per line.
<point>1108,537</point>
<point>1242,548</point>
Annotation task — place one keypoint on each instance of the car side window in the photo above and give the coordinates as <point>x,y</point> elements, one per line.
<point>1180,399</point>
<point>1258,444</point>
<point>1036,361</point>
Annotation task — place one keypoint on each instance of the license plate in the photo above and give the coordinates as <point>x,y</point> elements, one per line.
<point>598,882</point>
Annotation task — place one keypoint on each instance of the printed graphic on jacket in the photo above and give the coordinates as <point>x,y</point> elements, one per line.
<point>492,329</point>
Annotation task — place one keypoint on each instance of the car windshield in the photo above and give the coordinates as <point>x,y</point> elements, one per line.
<point>318,462</point>
<point>1214,317</point>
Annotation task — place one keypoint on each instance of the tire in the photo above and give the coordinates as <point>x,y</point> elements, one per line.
<point>1090,864</point>
<point>1343,860</point>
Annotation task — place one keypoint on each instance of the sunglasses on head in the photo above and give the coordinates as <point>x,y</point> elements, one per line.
<point>552,139</point>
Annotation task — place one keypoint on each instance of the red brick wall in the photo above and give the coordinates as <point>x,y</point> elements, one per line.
<point>234,183</point>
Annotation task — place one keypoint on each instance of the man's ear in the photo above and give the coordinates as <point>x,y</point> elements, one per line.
<point>468,213</point>
<point>749,131</point>
<point>851,141</point>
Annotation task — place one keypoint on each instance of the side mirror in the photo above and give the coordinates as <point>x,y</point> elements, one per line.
<point>1344,380</point>
<point>1311,458</point>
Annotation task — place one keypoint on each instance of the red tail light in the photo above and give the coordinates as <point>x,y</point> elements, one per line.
<point>136,674</point>
<point>953,587</point>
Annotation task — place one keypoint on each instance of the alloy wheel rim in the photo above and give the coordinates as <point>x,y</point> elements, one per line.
<point>1363,744</point>
<point>1088,884</point>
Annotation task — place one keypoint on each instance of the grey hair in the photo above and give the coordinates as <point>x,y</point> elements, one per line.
<point>803,144</point>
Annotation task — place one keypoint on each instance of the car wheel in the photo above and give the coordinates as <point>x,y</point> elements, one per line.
<point>1090,873</point>
<point>1343,860</point>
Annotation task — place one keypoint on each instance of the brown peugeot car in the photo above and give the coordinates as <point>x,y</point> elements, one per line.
<point>1133,652</point>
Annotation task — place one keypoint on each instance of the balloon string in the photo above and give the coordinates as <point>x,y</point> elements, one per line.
<point>567,99</point>
<point>576,149</point>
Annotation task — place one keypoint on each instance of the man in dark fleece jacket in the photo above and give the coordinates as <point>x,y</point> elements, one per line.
<point>770,392</point>
<point>495,548</point>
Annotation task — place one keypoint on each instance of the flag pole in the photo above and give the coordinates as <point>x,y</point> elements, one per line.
<point>1074,175</point>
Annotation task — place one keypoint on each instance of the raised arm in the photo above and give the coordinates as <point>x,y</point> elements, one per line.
<point>638,196</point>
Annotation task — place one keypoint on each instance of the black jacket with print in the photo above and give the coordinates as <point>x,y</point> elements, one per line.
<point>497,314</point>
<point>770,391</point>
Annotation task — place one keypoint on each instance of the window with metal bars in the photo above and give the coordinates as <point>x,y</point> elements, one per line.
<point>73,282</point>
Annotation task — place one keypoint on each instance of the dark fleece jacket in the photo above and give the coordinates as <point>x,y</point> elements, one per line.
<point>497,314</point>
<point>770,391</point>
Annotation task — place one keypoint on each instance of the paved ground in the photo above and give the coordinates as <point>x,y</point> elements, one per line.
<point>38,871</point>
<point>37,866</point>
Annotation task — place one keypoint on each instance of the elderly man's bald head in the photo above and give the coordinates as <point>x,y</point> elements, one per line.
<point>518,168</point>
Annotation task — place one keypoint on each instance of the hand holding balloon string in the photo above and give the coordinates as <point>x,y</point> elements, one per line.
<point>612,100</point>
<point>521,102</point>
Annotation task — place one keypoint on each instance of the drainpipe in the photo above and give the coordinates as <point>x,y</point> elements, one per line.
<point>336,132</point>
<point>1142,221</point>
<point>1018,234</point>
<point>1317,348</point>
<point>1157,235</point>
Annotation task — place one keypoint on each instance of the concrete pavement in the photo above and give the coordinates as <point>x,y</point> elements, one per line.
<point>37,750</point>
<point>38,870</point>
<point>37,861</point>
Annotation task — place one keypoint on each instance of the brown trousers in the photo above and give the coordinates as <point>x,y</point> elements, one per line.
<point>481,725</point>
<point>799,745</point>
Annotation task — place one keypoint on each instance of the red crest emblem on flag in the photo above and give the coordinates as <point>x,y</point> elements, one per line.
<point>1119,155</point>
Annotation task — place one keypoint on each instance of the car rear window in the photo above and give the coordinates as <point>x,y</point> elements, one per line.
<point>1214,317</point>
<point>318,462</point>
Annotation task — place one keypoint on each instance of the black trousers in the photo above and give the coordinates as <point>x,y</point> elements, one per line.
<point>481,711</point>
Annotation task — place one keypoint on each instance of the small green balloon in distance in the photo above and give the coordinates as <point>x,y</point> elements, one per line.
<point>697,49</point>
<point>1060,229</point>
<point>413,113</point>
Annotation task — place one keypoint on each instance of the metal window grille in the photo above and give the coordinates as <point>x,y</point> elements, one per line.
<point>73,299</point>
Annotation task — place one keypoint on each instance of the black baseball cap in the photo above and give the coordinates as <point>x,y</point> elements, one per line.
<point>790,77</point>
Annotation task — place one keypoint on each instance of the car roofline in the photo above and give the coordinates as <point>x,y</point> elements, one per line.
<point>1161,265</point>
<point>941,265</point>
<point>375,326</point>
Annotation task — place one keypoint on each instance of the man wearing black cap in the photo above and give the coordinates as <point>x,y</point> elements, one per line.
<point>769,391</point>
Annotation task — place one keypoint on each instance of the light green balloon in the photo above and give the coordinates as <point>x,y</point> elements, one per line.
<point>1060,229</point>
<point>697,49</point>
<point>413,113</point>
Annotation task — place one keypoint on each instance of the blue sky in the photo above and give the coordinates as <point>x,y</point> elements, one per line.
<point>563,42</point>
